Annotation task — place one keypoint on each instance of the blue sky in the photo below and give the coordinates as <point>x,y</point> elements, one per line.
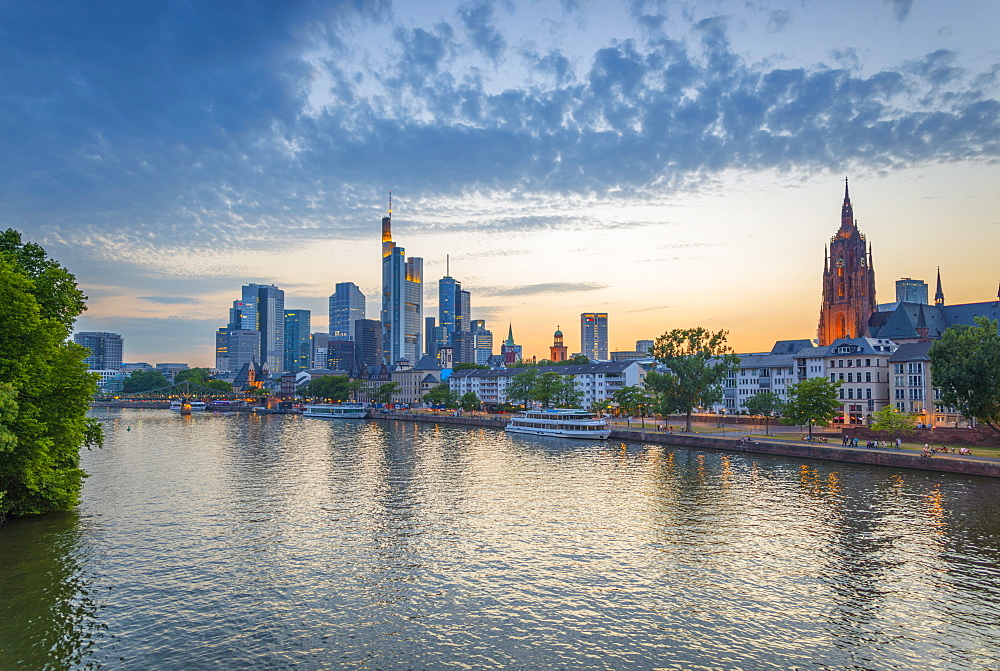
<point>673,163</point>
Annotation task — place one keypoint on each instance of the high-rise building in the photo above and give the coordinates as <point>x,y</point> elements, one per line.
<point>435,337</point>
<point>264,306</point>
<point>594,335</point>
<point>448,304</point>
<point>848,281</point>
<point>482,345</point>
<point>558,350</point>
<point>643,346</point>
<point>105,349</point>
<point>911,291</point>
<point>402,299</point>
<point>347,305</point>
<point>298,341</point>
<point>235,348</point>
<point>368,349</point>
<point>320,349</point>
<point>342,355</point>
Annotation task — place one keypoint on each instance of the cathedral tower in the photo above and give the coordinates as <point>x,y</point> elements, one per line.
<point>848,281</point>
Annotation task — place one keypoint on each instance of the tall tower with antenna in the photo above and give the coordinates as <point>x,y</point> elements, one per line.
<point>402,299</point>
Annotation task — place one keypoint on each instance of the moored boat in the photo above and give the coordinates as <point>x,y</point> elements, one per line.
<point>562,423</point>
<point>192,406</point>
<point>336,411</point>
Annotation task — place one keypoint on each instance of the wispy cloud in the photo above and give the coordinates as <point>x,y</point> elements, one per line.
<point>170,300</point>
<point>544,288</point>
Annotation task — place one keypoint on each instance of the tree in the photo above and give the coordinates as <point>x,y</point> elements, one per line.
<point>893,422</point>
<point>633,400</point>
<point>442,395</point>
<point>521,386</point>
<point>218,385</point>
<point>330,387</point>
<point>45,388</point>
<point>696,361</point>
<point>383,393</point>
<point>567,395</point>
<point>470,402</point>
<point>144,380</point>
<point>766,405</point>
<point>575,360</point>
<point>193,375</point>
<point>547,388</point>
<point>812,401</point>
<point>965,367</point>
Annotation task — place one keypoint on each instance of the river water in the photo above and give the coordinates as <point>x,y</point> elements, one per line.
<point>236,542</point>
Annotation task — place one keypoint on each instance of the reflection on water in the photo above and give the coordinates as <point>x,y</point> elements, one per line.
<point>267,541</point>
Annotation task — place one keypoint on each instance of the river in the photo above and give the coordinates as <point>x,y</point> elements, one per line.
<point>270,542</point>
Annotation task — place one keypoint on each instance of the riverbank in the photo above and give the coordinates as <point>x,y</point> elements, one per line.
<point>947,463</point>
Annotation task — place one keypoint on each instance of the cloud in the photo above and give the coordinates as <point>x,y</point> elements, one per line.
<point>142,128</point>
<point>777,20</point>
<point>169,300</point>
<point>538,289</point>
<point>900,8</point>
<point>477,18</point>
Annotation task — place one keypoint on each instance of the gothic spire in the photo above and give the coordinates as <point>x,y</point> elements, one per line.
<point>510,335</point>
<point>939,294</point>
<point>846,212</point>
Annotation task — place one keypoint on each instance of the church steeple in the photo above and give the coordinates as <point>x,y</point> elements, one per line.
<point>939,294</point>
<point>846,211</point>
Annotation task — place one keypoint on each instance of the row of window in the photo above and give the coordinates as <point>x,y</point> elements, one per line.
<point>839,363</point>
<point>862,393</point>
<point>834,377</point>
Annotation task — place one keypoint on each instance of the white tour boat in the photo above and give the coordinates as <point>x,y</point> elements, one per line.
<point>336,411</point>
<point>564,423</point>
<point>194,406</point>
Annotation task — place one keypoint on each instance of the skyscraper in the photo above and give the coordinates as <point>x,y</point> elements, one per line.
<point>347,305</point>
<point>402,299</point>
<point>594,335</point>
<point>263,305</point>
<point>911,291</point>
<point>298,341</point>
<point>235,347</point>
<point>368,342</point>
<point>105,349</point>
<point>848,281</point>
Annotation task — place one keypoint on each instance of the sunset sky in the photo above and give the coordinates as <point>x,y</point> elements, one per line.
<point>671,163</point>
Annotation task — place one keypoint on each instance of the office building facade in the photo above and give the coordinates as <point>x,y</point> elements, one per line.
<point>298,341</point>
<point>105,349</point>
<point>594,335</point>
<point>347,305</point>
<point>402,300</point>
<point>263,306</point>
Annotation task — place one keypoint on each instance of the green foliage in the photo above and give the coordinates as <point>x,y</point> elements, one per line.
<point>330,387</point>
<point>193,375</point>
<point>218,385</point>
<point>45,388</point>
<point>697,362</point>
<point>767,405</point>
<point>143,380</point>
<point>575,360</point>
<point>813,402</point>
<point>520,389</point>
<point>633,400</point>
<point>893,422</point>
<point>442,395</point>
<point>383,393</point>
<point>554,389</point>
<point>470,402</point>
<point>965,367</point>
<point>470,366</point>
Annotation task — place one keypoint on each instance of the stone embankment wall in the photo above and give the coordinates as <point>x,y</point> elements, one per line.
<point>825,452</point>
<point>980,437</point>
<point>948,464</point>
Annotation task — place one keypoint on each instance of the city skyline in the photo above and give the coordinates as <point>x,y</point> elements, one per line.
<point>672,168</point>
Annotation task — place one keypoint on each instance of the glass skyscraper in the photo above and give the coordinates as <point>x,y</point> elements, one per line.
<point>347,305</point>
<point>402,300</point>
<point>298,341</point>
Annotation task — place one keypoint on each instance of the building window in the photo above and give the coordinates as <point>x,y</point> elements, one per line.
<point>897,368</point>
<point>899,393</point>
